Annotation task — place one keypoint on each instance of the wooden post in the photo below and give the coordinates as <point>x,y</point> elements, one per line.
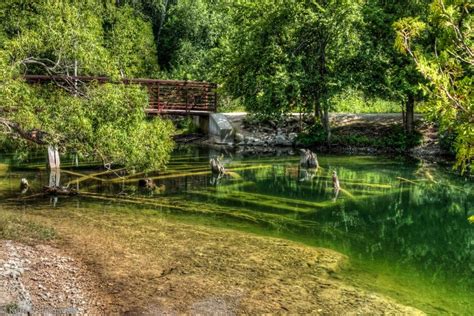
<point>53,157</point>
<point>187,97</point>
<point>158,97</point>
<point>215,97</point>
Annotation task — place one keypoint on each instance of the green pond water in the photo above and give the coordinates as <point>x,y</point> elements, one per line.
<point>409,238</point>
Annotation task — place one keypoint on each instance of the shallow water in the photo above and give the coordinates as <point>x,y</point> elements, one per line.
<point>402,223</point>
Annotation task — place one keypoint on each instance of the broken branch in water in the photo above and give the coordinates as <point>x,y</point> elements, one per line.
<point>346,193</point>
<point>92,176</point>
<point>406,180</point>
<point>82,175</point>
<point>59,191</point>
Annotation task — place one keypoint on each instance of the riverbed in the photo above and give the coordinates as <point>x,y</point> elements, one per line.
<point>264,237</point>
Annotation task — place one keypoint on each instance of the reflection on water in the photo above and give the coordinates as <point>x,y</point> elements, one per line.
<point>400,220</point>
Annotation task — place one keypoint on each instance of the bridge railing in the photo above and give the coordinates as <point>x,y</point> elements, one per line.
<point>164,96</point>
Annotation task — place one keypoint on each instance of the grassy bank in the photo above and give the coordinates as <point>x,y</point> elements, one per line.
<point>392,138</point>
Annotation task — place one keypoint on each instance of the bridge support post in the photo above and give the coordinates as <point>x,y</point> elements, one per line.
<point>220,129</point>
<point>202,123</point>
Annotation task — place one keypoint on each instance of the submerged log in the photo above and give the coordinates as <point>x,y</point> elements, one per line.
<point>406,180</point>
<point>308,159</point>
<point>216,166</point>
<point>24,185</point>
<point>335,181</point>
<point>147,183</point>
<point>59,190</point>
<point>92,176</point>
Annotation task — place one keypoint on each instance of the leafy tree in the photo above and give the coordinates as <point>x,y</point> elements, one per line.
<point>292,57</point>
<point>328,40</point>
<point>68,38</point>
<point>381,69</point>
<point>447,62</point>
<point>130,39</point>
<point>185,33</point>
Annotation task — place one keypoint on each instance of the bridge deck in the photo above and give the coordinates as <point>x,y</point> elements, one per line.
<point>173,97</point>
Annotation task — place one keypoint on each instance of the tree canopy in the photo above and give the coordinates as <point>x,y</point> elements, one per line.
<point>447,63</point>
<point>68,38</point>
<point>270,56</point>
<point>287,58</point>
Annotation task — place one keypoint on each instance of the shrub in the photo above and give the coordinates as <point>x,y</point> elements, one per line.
<point>393,138</point>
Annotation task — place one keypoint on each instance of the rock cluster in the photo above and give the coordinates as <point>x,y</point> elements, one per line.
<point>269,133</point>
<point>39,280</point>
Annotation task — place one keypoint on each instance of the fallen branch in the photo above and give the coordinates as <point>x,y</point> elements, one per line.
<point>91,176</point>
<point>346,193</point>
<point>82,175</point>
<point>406,180</point>
<point>59,191</point>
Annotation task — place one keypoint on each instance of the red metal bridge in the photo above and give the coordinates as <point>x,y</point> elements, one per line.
<point>174,97</point>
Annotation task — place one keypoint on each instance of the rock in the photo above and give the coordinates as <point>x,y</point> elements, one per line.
<point>292,137</point>
<point>281,140</point>
<point>253,141</point>
<point>239,137</point>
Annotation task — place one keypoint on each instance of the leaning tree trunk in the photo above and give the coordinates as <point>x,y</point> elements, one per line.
<point>409,114</point>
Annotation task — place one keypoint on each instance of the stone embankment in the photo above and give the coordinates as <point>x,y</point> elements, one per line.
<point>255,137</point>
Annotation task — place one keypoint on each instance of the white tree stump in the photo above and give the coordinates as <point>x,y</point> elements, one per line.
<point>53,157</point>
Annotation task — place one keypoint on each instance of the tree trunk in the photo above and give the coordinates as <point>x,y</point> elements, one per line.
<point>410,114</point>
<point>317,110</point>
<point>326,126</point>
<point>162,21</point>
<point>324,106</point>
<point>404,120</point>
<point>53,157</point>
<point>54,178</point>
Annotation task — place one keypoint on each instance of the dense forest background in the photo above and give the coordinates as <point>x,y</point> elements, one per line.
<point>268,57</point>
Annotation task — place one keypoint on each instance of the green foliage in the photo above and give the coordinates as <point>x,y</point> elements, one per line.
<point>442,48</point>
<point>186,126</point>
<point>278,59</point>
<point>351,101</point>
<point>269,57</point>
<point>185,34</point>
<point>101,121</point>
<point>314,135</point>
<point>393,139</point>
<point>228,104</point>
<point>131,42</point>
<point>380,69</point>
<point>12,308</point>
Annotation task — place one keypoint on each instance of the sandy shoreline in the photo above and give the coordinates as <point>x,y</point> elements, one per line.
<point>180,268</point>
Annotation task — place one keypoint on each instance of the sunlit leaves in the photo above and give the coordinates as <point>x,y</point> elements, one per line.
<point>282,58</point>
<point>106,122</point>
<point>448,65</point>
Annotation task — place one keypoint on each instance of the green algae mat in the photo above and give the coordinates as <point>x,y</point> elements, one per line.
<point>403,224</point>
